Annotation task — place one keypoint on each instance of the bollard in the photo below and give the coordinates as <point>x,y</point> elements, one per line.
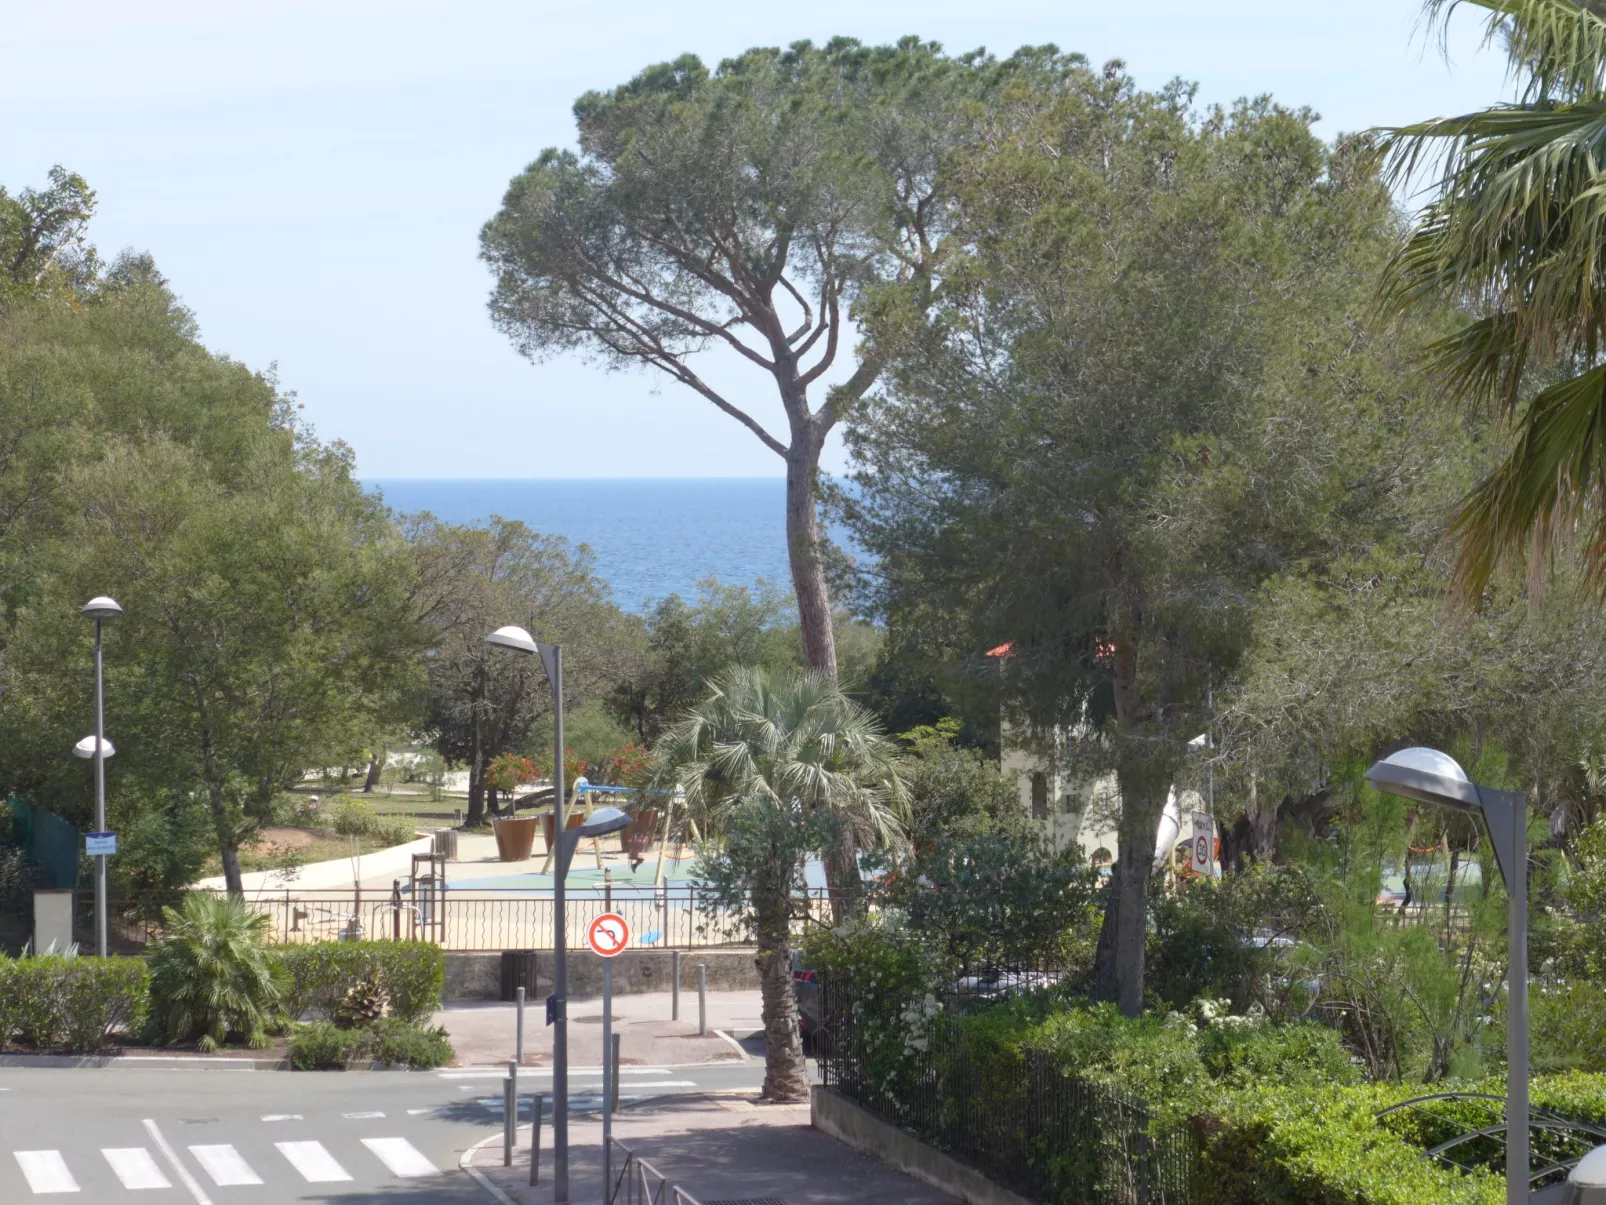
<point>535,1138</point>
<point>702,998</point>
<point>613,1101</point>
<point>518,1029</point>
<point>510,1117</point>
<point>674,991</point>
<point>607,890</point>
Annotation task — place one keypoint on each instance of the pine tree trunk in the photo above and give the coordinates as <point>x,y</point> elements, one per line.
<point>804,554</point>
<point>372,781</point>
<point>229,852</point>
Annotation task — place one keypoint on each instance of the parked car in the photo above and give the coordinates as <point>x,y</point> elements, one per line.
<point>810,1015</point>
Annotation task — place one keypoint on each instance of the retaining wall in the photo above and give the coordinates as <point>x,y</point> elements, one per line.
<point>478,976</point>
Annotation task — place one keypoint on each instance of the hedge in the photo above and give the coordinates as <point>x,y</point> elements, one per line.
<point>1299,1146</point>
<point>75,1004</point>
<point>322,1045</point>
<point>412,975</point>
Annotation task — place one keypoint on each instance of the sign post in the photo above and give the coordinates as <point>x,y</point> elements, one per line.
<point>608,935</point>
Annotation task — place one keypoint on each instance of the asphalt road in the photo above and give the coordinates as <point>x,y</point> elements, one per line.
<point>216,1137</point>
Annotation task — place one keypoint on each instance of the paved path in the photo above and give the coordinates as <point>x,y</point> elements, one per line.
<point>719,1147</point>
<point>483,1033</point>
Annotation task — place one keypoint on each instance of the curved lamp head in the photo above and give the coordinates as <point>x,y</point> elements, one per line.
<point>86,748</point>
<point>604,820</point>
<point>1587,1182</point>
<point>1427,776</point>
<point>512,637</point>
<point>101,607</point>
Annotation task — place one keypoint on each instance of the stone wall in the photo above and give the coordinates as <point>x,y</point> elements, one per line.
<point>478,976</point>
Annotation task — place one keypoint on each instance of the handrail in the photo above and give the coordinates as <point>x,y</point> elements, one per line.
<point>632,1187</point>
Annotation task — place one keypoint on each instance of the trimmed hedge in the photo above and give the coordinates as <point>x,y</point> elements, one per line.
<point>322,1045</point>
<point>412,974</point>
<point>74,1004</point>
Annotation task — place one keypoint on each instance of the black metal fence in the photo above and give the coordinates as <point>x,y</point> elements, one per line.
<point>677,919</point>
<point>1019,1119</point>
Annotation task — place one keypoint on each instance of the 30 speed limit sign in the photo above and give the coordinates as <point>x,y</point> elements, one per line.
<point>609,934</point>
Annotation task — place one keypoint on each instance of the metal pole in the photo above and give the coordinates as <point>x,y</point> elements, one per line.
<point>510,1115</point>
<point>613,1099</point>
<point>518,1047</point>
<point>607,1073</point>
<point>1517,1013</point>
<point>535,1137</point>
<point>674,990</point>
<point>702,998</point>
<point>560,958</point>
<point>100,798</point>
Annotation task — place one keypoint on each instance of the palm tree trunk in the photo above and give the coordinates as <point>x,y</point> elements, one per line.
<point>786,1076</point>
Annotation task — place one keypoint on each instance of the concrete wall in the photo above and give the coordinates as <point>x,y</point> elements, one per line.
<point>836,1115</point>
<point>479,976</point>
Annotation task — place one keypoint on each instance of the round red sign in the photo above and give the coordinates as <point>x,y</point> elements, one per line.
<point>609,934</point>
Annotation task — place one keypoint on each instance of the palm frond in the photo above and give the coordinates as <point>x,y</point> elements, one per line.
<point>1557,463</point>
<point>1556,47</point>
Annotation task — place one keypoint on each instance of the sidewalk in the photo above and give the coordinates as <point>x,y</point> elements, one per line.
<point>719,1147</point>
<point>483,1033</point>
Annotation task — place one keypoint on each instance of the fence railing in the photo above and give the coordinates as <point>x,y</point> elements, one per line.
<point>639,1182</point>
<point>1020,1120</point>
<point>473,919</point>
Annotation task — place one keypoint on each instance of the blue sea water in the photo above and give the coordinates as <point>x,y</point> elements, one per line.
<point>651,537</point>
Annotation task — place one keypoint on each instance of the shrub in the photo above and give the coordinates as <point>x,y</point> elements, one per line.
<point>411,974</point>
<point>211,975</point>
<point>322,1045</point>
<point>74,1004</point>
<point>353,818</point>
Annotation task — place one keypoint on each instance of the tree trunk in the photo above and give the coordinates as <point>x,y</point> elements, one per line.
<point>804,554</point>
<point>786,1076</point>
<point>372,781</point>
<point>476,756</point>
<point>843,881</point>
<point>232,880</point>
<point>228,842</point>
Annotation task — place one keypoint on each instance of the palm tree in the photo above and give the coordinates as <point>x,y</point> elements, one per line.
<point>1516,234</point>
<point>781,767</point>
<point>211,974</point>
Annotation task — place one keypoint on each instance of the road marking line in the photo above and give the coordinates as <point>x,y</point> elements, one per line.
<point>179,1169</point>
<point>316,1165</point>
<point>419,1112</point>
<point>734,1044</point>
<point>281,1117</point>
<point>361,1116</point>
<point>224,1165</point>
<point>135,1167</point>
<point>46,1171</point>
<point>466,1163</point>
<point>402,1157</point>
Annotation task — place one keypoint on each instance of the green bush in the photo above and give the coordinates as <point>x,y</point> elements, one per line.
<point>75,1004</point>
<point>353,818</point>
<point>322,1045</point>
<point>212,976</point>
<point>1303,1145</point>
<point>411,974</point>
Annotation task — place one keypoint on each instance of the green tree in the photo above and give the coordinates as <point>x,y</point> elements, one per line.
<point>745,211</point>
<point>483,701</point>
<point>776,766</point>
<point>1101,436</point>
<point>1512,236</point>
<point>689,645</point>
<point>955,791</point>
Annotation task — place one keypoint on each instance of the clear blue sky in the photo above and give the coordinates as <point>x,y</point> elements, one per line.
<point>311,175</point>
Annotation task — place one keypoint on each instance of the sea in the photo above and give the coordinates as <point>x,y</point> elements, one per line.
<point>650,537</point>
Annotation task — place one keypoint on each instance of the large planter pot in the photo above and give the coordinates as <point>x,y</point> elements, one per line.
<point>515,837</point>
<point>576,819</point>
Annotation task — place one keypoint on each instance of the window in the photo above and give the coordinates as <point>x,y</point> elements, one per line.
<point>1039,795</point>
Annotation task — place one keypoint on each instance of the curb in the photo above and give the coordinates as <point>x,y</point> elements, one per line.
<point>141,1062</point>
<point>466,1163</point>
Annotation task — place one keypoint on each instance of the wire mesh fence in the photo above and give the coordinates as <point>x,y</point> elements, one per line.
<point>1020,1120</point>
<point>469,920</point>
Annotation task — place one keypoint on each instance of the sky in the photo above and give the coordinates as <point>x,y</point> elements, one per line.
<point>311,175</point>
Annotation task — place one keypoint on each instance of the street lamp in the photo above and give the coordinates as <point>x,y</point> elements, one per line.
<point>1428,776</point>
<point>604,820</point>
<point>100,609</point>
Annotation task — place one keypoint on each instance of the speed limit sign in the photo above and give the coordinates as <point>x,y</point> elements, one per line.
<point>609,934</point>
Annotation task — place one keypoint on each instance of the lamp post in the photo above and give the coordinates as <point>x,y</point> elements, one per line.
<point>606,820</point>
<point>100,609</point>
<point>1428,776</point>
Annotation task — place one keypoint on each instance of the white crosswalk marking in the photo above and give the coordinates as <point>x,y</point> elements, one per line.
<point>316,1165</point>
<point>362,1116</point>
<point>224,1165</point>
<point>401,1156</point>
<point>135,1167</point>
<point>46,1171</point>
